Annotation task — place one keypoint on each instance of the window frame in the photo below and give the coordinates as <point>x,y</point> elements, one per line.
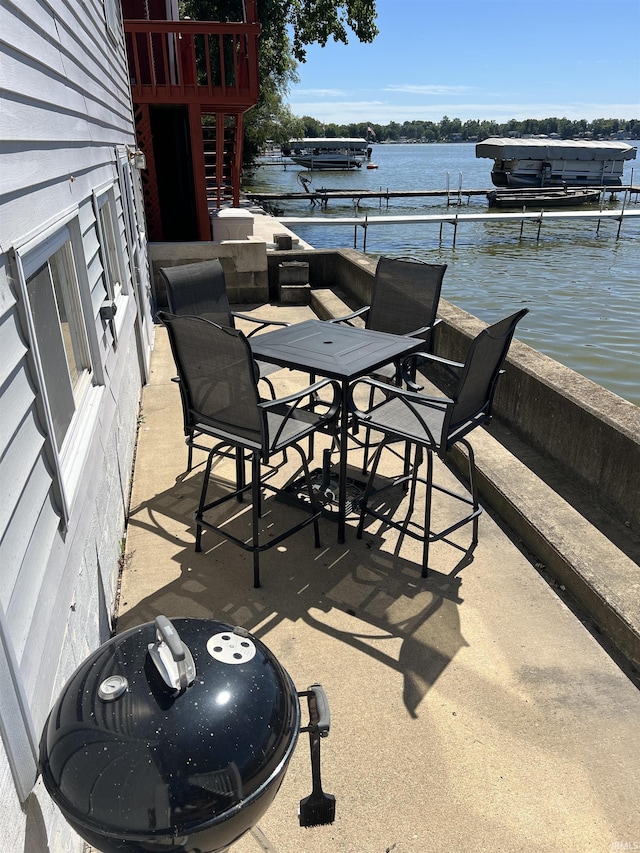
<point>113,20</point>
<point>69,453</point>
<point>115,281</point>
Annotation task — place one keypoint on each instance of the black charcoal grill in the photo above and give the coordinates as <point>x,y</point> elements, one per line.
<point>176,736</point>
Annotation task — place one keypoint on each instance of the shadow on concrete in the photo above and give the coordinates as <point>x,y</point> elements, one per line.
<point>394,616</point>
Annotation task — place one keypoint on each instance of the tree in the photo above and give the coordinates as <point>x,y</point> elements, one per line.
<point>271,120</point>
<point>312,127</point>
<point>310,22</point>
<point>317,22</point>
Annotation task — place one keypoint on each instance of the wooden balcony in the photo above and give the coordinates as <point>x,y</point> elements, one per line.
<point>209,63</point>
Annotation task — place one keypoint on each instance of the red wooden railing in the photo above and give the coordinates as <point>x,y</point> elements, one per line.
<point>190,62</point>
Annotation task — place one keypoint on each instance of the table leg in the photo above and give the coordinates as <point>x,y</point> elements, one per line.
<point>342,485</point>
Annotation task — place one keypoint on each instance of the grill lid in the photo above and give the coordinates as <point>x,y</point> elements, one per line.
<point>169,727</point>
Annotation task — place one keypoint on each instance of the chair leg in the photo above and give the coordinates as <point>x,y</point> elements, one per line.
<point>256,495</point>
<point>312,495</point>
<point>203,496</point>
<point>365,460</point>
<point>407,463</point>
<point>189,451</point>
<point>473,488</point>
<point>240,474</point>
<point>413,476</point>
<point>427,514</point>
<point>368,488</point>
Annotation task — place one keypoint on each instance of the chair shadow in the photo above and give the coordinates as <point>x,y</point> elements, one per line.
<point>381,592</point>
<point>388,501</point>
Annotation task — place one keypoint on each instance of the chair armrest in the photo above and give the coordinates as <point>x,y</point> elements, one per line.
<point>297,397</point>
<point>429,356</point>
<point>406,369</point>
<point>423,329</point>
<point>292,403</point>
<point>414,403</point>
<point>259,321</point>
<point>394,391</point>
<point>351,316</point>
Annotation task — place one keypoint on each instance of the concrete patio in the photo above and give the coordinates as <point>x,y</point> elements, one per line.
<point>471,711</point>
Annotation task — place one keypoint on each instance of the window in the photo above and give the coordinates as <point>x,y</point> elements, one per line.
<point>60,343</point>
<point>54,300</point>
<point>111,260</point>
<point>110,254</point>
<point>112,17</point>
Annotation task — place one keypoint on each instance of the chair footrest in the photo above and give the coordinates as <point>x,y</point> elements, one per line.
<point>404,525</point>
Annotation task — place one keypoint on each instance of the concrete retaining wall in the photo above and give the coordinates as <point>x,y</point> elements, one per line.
<point>588,432</point>
<point>244,263</point>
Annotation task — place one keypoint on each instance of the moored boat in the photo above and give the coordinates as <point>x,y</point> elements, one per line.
<point>522,163</point>
<point>548,198</point>
<point>316,153</point>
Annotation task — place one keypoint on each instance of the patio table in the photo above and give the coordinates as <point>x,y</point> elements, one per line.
<point>337,352</point>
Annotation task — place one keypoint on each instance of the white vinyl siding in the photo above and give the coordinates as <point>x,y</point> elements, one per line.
<point>70,382</point>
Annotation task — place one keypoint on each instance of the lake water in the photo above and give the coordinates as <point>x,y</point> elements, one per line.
<point>582,288</point>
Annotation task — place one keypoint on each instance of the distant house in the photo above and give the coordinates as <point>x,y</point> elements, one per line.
<point>76,334</point>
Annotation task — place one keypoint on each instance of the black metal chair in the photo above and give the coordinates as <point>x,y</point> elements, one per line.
<point>404,301</point>
<point>219,384</point>
<point>434,425</point>
<point>200,290</point>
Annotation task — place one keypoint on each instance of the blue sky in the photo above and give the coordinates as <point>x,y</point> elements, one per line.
<point>480,59</point>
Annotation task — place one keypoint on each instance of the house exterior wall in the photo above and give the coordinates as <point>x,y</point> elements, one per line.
<point>74,290</point>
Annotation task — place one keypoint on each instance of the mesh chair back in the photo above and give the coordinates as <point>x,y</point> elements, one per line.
<point>476,386</point>
<point>405,296</point>
<point>200,290</point>
<point>217,376</point>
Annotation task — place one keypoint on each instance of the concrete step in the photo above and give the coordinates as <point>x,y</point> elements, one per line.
<point>584,553</point>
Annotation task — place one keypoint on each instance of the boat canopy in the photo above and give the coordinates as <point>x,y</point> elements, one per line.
<point>328,143</point>
<point>553,149</point>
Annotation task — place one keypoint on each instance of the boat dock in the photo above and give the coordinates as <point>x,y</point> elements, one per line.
<point>322,196</point>
<point>537,217</point>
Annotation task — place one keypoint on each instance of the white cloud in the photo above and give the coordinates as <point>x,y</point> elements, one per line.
<point>427,89</point>
<point>322,93</point>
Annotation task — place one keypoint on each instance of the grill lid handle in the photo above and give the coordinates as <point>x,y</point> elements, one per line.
<point>171,656</point>
<point>319,714</point>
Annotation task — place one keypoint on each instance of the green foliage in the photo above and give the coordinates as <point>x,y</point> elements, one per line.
<point>454,130</point>
<point>316,21</point>
<point>310,22</point>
